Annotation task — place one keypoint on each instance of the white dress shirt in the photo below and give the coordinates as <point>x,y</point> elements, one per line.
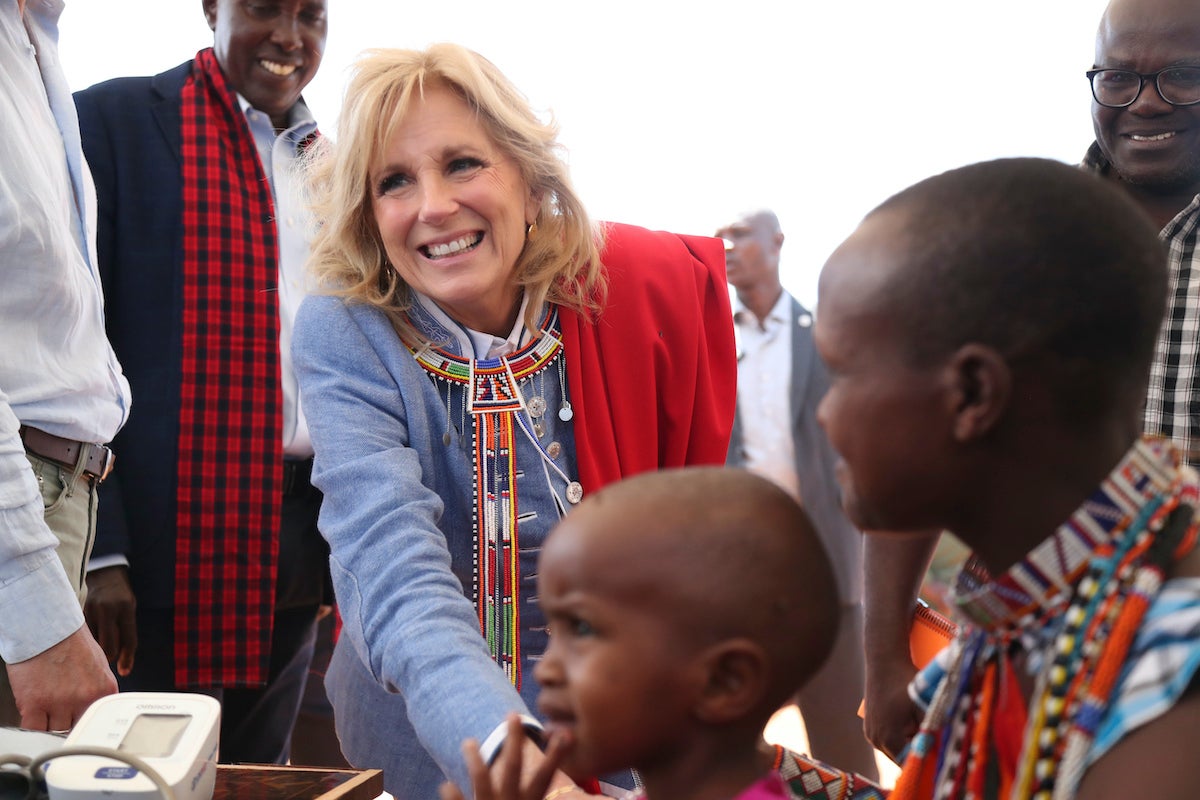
<point>57,370</point>
<point>764,381</point>
<point>279,156</point>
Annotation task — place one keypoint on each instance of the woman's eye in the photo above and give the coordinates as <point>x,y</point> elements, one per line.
<point>581,627</point>
<point>392,183</point>
<point>464,164</point>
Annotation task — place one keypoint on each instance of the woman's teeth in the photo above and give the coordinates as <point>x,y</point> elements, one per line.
<point>457,246</point>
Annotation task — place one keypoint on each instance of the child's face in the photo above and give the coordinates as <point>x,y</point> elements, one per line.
<point>882,415</point>
<point>616,674</point>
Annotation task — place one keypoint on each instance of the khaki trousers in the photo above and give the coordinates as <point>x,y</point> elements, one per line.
<point>70,503</point>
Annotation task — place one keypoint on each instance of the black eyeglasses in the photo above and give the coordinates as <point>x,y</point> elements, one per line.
<point>1118,88</point>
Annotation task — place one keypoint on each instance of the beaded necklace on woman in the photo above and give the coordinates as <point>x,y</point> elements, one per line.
<point>500,394</point>
<point>1073,607</point>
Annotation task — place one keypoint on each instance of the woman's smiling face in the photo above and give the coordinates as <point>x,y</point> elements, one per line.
<point>451,208</point>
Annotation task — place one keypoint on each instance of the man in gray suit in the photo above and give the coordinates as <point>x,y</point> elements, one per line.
<point>775,434</point>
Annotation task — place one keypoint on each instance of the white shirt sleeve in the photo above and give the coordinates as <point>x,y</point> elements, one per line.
<point>38,607</point>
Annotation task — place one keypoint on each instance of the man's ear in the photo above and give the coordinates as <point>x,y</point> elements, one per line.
<point>738,674</point>
<point>981,390</point>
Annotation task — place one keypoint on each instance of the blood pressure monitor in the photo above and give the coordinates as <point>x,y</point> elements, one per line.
<point>175,734</point>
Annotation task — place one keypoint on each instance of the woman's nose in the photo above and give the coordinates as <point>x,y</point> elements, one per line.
<point>437,201</point>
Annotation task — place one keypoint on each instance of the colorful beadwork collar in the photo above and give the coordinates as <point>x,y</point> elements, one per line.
<point>1087,587</point>
<point>492,390</point>
<point>500,412</point>
<point>1040,581</point>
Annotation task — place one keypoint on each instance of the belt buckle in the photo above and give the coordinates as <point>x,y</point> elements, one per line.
<point>109,459</point>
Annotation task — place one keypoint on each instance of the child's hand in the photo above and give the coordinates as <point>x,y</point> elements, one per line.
<point>518,758</point>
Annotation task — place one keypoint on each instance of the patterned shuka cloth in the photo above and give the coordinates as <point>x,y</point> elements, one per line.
<point>1078,610</point>
<point>230,422</point>
<point>1162,663</point>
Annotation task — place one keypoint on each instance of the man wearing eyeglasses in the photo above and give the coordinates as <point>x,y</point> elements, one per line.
<point>1146,87</point>
<point>1146,113</point>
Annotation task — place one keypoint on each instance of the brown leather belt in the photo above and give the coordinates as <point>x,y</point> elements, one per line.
<point>98,459</point>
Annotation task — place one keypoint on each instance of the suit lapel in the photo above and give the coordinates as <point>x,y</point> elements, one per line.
<point>165,107</point>
<point>802,355</point>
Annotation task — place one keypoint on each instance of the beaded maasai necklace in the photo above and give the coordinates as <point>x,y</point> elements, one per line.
<point>498,409</point>
<point>1090,584</point>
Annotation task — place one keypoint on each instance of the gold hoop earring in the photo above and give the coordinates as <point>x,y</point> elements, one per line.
<point>531,231</point>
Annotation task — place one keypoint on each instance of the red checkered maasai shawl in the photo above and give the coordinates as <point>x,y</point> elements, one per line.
<point>230,419</point>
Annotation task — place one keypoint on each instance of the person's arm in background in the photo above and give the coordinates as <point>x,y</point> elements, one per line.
<point>893,566</point>
<point>55,667</point>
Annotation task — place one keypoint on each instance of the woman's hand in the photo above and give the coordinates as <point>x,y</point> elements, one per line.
<point>520,772</point>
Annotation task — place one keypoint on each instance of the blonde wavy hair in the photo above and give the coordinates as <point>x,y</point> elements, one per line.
<point>561,263</point>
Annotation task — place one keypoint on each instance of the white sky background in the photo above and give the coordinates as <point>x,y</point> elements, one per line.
<point>679,114</point>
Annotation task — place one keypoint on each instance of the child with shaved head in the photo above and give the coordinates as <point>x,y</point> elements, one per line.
<point>685,607</point>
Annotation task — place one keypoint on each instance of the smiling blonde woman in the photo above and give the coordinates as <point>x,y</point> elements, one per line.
<point>481,357</point>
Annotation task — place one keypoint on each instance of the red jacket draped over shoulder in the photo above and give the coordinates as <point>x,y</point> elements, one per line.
<point>653,376</point>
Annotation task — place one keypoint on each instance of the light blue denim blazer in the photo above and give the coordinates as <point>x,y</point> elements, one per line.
<point>411,676</point>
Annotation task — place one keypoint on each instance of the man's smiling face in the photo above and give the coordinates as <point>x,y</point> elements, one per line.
<point>268,49</point>
<point>1150,143</point>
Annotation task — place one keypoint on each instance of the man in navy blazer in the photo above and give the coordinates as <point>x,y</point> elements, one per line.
<point>133,137</point>
<point>780,383</point>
